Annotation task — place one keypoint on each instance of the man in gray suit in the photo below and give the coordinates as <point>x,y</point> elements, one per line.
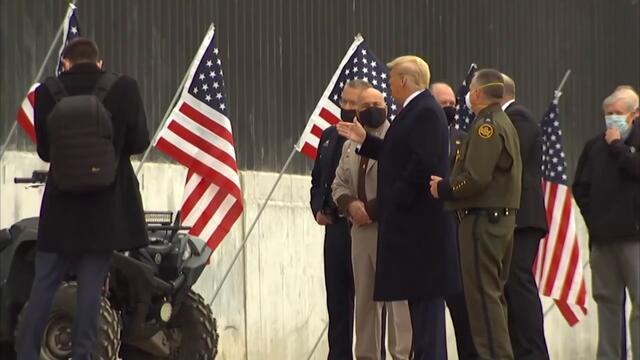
<point>354,191</point>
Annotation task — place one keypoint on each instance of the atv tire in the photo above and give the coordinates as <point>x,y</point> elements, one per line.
<point>56,340</point>
<point>196,329</point>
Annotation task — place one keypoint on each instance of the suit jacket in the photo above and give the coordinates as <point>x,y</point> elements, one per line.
<point>111,219</point>
<point>345,185</point>
<point>417,256</point>
<point>532,213</point>
<point>324,171</point>
<point>456,139</point>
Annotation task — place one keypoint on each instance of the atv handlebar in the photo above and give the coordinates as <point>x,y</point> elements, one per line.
<point>37,177</point>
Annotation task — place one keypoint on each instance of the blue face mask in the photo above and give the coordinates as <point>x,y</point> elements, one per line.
<point>619,122</point>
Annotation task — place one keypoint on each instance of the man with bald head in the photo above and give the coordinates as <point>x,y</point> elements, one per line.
<point>444,95</point>
<point>607,189</point>
<point>354,191</point>
<point>526,327</point>
<point>416,255</point>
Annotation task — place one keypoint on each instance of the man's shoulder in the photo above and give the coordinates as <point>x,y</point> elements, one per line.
<point>519,113</point>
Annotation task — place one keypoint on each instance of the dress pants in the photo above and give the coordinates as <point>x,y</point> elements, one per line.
<point>338,277</point>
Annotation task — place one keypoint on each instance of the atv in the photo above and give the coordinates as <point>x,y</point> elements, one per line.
<point>148,308</point>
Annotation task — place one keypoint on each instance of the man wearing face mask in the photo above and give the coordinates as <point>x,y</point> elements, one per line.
<point>484,189</point>
<point>416,256</point>
<point>455,302</point>
<point>607,189</point>
<point>447,99</point>
<point>338,274</point>
<point>354,191</point>
<point>526,327</point>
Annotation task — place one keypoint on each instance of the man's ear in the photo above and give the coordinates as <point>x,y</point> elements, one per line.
<point>66,64</point>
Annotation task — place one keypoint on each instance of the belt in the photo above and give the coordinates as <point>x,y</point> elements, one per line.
<point>492,213</point>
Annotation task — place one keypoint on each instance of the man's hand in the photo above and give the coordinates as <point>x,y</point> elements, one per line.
<point>352,131</point>
<point>433,184</point>
<point>612,134</point>
<point>322,219</point>
<point>358,213</point>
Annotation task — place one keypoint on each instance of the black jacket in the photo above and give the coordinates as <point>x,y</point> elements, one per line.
<point>324,171</point>
<point>607,188</point>
<point>417,254</point>
<point>532,213</point>
<point>111,219</point>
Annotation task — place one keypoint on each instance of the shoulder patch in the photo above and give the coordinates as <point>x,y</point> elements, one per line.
<point>485,131</point>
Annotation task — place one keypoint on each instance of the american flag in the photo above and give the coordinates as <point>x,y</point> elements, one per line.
<point>198,135</point>
<point>358,63</point>
<point>71,30</point>
<point>558,266</point>
<point>464,116</point>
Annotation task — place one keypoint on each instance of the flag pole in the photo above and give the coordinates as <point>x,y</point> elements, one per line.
<point>14,127</point>
<point>253,225</point>
<point>164,120</point>
<point>168,112</point>
<point>558,92</point>
<point>315,346</point>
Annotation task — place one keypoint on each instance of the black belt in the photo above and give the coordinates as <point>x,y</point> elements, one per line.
<point>492,213</point>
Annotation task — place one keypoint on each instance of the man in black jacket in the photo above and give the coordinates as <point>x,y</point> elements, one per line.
<point>607,190</point>
<point>444,95</point>
<point>526,328</point>
<point>338,273</point>
<point>80,231</point>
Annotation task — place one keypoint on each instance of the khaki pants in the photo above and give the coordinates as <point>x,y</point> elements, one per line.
<point>368,313</point>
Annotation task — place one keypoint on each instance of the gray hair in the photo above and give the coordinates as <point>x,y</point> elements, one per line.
<point>623,93</point>
<point>509,86</point>
<point>358,84</point>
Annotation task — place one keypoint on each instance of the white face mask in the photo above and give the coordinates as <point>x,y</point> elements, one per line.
<point>467,100</point>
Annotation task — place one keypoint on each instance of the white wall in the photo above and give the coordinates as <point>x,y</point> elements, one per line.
<point>273,304</point>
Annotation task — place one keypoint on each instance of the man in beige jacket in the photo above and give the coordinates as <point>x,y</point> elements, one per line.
<point>354,191</point>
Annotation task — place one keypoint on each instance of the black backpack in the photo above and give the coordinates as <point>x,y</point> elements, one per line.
<point>80,132</point>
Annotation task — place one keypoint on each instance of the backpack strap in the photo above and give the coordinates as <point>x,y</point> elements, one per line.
<point>104,84</point>
<point>56,88</point>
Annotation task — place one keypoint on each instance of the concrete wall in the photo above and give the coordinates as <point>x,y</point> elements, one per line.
<point>272,306</point>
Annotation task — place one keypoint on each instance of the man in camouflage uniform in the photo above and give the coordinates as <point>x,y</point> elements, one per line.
<point>484,189</point>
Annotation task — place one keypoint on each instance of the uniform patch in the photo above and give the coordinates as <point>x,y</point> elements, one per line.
<point>485,131</point>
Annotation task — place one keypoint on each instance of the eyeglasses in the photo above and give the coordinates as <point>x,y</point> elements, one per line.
<point>348,104</point>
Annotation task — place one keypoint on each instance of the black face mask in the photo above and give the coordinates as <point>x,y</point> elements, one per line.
<point>347,115</point>
<point>450,112</point>
<point>372,117</point>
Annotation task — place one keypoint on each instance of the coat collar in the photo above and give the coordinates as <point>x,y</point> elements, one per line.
<point>84,68</point>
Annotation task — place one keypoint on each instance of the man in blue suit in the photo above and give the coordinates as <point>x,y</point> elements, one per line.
<point>417,258</point>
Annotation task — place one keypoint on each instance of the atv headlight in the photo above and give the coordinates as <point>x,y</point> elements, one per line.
<point>187,253</point>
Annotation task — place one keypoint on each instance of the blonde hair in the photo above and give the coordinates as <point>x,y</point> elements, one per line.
<point>414,68</point>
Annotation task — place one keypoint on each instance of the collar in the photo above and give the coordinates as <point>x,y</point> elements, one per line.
<point>83,68</point>
<point>487,111</point>
<point>411,97</point>
<point>507,104</point>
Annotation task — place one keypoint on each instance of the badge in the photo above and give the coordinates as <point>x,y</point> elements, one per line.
<point>485,131</point>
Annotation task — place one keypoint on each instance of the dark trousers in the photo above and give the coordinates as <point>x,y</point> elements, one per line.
<point>460,319</point>
<point>338,277</point>
<point>526,328</point>
<point>429,333</point>
<point>91,270</point>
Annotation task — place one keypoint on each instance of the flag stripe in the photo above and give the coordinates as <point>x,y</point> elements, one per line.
<point>327,116</point>
<point>317,131</point>
<point>225,225</point>
<point>203,145</point>
<point>208,212</point>
<point>200,168</point>
<point>206,122</point>
<point>194,156</point>
<point>193,195</point>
